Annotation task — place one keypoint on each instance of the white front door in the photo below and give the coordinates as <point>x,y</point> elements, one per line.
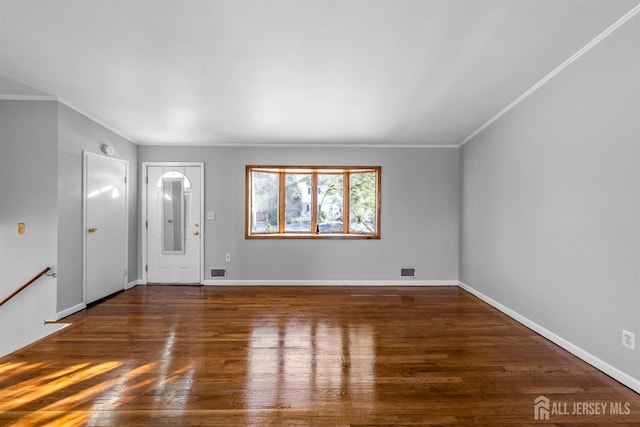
<point>105,226</point>
<point>174,223</point>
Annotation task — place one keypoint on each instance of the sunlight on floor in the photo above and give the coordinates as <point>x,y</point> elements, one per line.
<point>84,399</point>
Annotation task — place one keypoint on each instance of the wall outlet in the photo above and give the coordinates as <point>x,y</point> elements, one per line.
<point>628,339</point>
<point>227,257</point>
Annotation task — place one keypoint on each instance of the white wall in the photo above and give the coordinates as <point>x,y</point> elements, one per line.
<point>28,193</point>
<point>551,203</point>
<point>419,215</point>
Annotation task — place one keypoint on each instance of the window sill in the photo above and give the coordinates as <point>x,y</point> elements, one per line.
<point>320,236</point>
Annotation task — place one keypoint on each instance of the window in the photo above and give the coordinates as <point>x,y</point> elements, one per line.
<point>313,202</point>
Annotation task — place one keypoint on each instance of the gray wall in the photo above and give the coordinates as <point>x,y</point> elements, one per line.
<point>551,203</point>
<point>77,133</point>
<point>41,144</point>
<point>419,215</point>
<point>28,189</point>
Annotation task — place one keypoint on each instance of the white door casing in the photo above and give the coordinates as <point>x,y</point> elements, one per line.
<point>166,263</point>
<point>105,223</point>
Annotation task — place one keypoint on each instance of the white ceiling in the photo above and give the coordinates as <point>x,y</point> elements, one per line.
<point>251,72</point>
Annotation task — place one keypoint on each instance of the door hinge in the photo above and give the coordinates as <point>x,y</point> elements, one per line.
<point>147,179</point>
<point>146,268</point>
<point>125,179</point>
<point>146,224</point>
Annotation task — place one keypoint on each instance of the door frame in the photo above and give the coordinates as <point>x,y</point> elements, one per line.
<point>85,171</point>
<point>144,188</point>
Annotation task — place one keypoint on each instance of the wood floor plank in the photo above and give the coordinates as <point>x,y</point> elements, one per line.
<point>296,356</point>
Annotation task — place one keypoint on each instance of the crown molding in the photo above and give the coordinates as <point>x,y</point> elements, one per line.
<point>555,72</point>
<point>221,144</point>
<point>69,105</point>
<point>93,118</point>
<point>28,98</point>
<point>295,145</point>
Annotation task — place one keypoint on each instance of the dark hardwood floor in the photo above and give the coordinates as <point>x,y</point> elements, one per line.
<point>298,356</point>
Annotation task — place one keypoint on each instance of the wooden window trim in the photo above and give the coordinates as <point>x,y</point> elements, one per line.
<point>346,171</point>
<point>345,201</point>
<point>314,202</point>
<point>282,185</point>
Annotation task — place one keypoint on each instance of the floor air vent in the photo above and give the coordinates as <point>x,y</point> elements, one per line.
<point>407,272</point>
<point>218,273</point>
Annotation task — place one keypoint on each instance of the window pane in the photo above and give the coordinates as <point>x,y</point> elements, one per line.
<point>362,202</point>
<point>297,204</point>
<point>330,203</point>
<point>264,202</point>
<point>293,202</point>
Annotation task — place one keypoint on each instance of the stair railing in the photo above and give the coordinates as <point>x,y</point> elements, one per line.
<point>23,287</point>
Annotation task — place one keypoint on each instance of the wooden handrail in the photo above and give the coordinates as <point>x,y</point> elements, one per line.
<point>23,287</point>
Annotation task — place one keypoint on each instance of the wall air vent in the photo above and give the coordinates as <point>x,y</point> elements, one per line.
<point>407,272</point>
<point>218,273</point>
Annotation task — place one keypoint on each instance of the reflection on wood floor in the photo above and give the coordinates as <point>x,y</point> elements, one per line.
<point>296,356</point>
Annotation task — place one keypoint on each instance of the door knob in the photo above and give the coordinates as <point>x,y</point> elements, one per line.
<point>170,221</point>
<point>196,233</point>
<point>92,229</point>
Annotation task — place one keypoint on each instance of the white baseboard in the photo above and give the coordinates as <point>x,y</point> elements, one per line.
<point>407,282</point>
<point>579,352</point>
<point>133,284</point>
<point>613,372</point>
<point>69,311</point>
